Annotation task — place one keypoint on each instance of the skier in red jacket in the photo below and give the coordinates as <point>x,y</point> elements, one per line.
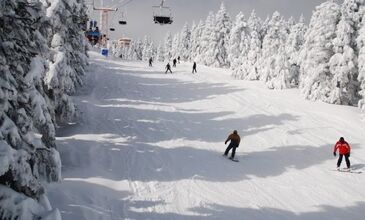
<point>344,149</point>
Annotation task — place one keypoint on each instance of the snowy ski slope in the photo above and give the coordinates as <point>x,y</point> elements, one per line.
<point>149,146</point>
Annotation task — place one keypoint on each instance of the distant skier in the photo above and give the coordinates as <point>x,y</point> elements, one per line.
<point>174,63</point>
<point>168,68</point>
<point>150,61</point>
<point>344,150</point>
<point>194,68</point>
<point>178,59</point>
<point>235,142</point>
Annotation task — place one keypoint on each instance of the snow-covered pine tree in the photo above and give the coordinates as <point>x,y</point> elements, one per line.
<point>250,50</point>
<point>254,23</point>
<point>130,53</point>
<point>185,43</point>
<point>76,38</point>
<point>242,68</point>
<point>196,34</point>
<point>234,49</point>
<point>255,45</point>
<point>68,57</point>
<point>343,64</point>
<point>137,50</point>
<point>264,27</point>
<point>125,53</point>
<point>25,110</point>
<point>249,68</point>
<point>168,46</point>
<point>116,50</point>
<point>315,76</point>
<point>361,63</point>
<point>289,24</point>
<point>274,64</point>
<point>146,49</point>
<point>293,46</point>
<point>153,50</point>
<point>160,53</point>
<point>176,46</point>
<point>217,51</point>
<point>192,31</point>
<point>205,38</point>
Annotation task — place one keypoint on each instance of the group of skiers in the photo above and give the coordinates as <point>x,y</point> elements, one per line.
<point>341,146</point>
<point>93,35</point>
<point>174,62</point>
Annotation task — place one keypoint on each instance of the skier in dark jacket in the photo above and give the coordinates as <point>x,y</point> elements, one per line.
<point>96,36</point>
<point>344,149</point>
<point>150,61</point>
<point>178,59</point>
<point>235,142</point>
<point>194,68</point>
<point>89,35</point>
<point>174,63</point>
<point>168,68</point>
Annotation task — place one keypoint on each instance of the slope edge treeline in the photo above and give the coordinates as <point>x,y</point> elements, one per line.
<point>42,60</point>
<point>325,59</point>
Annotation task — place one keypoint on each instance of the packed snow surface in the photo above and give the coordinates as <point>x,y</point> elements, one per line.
<point>149,146</point>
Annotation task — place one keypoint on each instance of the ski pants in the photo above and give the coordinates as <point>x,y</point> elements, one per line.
<point>346,158</point>
<point>231,146</point>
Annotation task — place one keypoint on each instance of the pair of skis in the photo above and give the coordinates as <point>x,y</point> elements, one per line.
<point>338,170</point>
<point>230,158</point>
<point>348,171</point>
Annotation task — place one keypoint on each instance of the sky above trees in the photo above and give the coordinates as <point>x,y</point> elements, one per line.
<point>140,22</point>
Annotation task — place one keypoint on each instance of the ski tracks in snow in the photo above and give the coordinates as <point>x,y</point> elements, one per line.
<point>150,146</point>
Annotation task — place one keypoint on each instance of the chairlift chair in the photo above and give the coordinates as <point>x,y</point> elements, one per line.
<point>162,14</point>
<point>112,29</point>
<point>159,19</point>
<point>122,20</point>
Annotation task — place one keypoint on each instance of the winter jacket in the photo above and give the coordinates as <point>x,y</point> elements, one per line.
<point>235,140</point>
<point>343,147</point>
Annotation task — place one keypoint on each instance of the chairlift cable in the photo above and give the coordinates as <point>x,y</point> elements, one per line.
<point>123,3</point>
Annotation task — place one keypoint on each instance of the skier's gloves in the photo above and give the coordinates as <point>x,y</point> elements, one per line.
<point>334,154</point>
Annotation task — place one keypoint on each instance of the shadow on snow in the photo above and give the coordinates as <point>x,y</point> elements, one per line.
<point>137,147</point>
